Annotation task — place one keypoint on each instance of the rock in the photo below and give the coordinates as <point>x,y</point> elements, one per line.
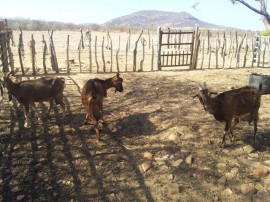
<point>260,172</point>
<point>221,166</point>
<point>189,160</point>
<point>235,171</point>
<point>222,180</point>
<point>229,176</point>
<point>267,162</point>
<point>266,183</point>
<point>146,166</point>
<point>20,197</point>
<point>248,149</point>
<point>177,163</point>
<point>247,189</point>
<point>171,176</point>
<point>173,188</point>
<point>147,155</point>
<point>227,191</point>
<point>261,197</point>
<point>254,155</point>
<point>160,161</point>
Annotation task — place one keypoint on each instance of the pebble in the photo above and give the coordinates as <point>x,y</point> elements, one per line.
<point>177,163</point>
<point>147,155</point>
<point>248,149</point>
<point>247,189</point>
<point>20,197</point>
<point>146,166</point>
<point>260,172</point>
<point>189,160</point>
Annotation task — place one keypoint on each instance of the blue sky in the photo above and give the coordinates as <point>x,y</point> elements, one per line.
<point>220,12</point>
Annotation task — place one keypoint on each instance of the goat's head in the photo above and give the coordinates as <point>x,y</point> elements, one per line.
<point>7,82</point>
<point>117,83</point>
<point>204,96</point>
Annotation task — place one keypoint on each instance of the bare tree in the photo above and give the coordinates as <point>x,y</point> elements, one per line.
<point>261,11</point>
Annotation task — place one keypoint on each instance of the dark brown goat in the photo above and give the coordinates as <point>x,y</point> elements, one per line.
<point>43,89</point>
<point>92,98</point>
<point>231,107</point>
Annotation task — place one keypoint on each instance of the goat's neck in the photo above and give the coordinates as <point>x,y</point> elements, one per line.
<point>213,106</point>
<point>108,83</point>
<point>11,86</point>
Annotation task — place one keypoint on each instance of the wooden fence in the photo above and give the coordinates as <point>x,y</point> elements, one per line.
<point>42,52</point>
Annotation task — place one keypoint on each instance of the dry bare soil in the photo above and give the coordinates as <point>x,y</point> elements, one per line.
<point>158,144</point>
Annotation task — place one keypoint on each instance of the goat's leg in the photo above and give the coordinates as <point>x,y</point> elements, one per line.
<point>50,106</point>
<point>235,122</point>
<point>63,108</point>
<point>26,125</point>
<point>97,131</point>
<point>86,119</point>
<point>226,131</point>
<point>256,117</point>
<point>36,110</point>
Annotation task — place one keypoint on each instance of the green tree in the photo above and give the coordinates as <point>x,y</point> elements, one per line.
<point>261,11</point>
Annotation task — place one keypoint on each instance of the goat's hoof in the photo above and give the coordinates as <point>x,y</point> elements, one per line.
<point>221,145</point>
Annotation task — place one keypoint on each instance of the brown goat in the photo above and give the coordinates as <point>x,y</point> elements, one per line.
<point>43,89</point>
<point>231,107</point>
<point>92,98</point>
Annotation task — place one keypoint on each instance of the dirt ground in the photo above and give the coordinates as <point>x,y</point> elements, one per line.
<point>158,144</point>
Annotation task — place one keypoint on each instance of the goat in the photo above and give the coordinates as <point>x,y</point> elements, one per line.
<point>231,107</point>
<point>92,96</point>
<point>43,89</point>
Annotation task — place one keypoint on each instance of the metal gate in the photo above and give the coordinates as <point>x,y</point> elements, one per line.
<point>176,48</point>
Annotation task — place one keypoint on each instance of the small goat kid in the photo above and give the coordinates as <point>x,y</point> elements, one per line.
<point>231,107</point>
<point>43,89</point>
<point>92,98</point>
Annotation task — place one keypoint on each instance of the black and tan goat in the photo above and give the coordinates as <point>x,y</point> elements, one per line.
<point>232,107</point>
<point>43,89</point>
<point>92,96</point>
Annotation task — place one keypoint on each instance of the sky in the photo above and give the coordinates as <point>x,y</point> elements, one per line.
<point>220,12</point>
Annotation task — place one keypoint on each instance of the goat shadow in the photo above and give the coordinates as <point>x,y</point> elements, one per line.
<point>131,126</point>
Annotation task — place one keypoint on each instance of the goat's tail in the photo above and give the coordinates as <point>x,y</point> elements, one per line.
<point>93,89</point>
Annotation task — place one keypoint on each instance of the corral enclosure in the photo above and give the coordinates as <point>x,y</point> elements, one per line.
<point>157,142</point>
<point>138,51</point>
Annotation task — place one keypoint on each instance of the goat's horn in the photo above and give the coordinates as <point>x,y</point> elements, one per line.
<point>199,86</point>
<point>9,73</point>
<point>204,85</point>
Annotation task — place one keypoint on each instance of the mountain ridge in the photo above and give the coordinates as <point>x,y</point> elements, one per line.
<point>154,18</point>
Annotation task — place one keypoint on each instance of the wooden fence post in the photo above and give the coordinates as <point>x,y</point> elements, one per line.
<point>68,68</point>
<point>102,55</point>
<point>33,54</point>
<point>88,36</point>
<point>143,41</point>
<point>111,57</point>
<point>127,47</point>
<point>135,52</point>
<point>117,52</point>
<point>152,56</point>
<point>159,48</point>
<point>79,54</point>
<point>54,62</point>
<point>44,54</point>
<point>96,54</point>
<point>21,52</point>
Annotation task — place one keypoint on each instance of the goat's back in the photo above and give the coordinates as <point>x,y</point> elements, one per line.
<point>41,89</point>
<point>240,101</point>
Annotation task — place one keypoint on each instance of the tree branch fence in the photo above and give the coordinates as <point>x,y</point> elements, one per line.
<point>91,52</point>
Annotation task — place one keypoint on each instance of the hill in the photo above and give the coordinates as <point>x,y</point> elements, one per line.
<point>152,18</point>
